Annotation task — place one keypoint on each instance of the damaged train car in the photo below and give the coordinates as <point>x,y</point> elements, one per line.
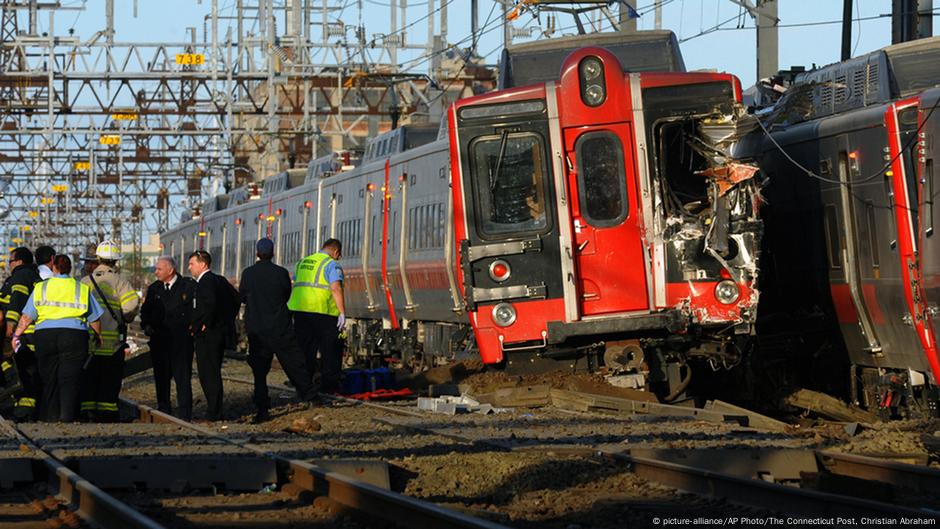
<point>573,221</point>
<point>851,265</point>
<point>602,220</point>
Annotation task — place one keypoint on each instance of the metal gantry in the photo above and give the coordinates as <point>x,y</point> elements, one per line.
<point>97,133</point>
<point>101,137</point>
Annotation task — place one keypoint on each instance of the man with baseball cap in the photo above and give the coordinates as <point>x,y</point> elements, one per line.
<point>265,288</point>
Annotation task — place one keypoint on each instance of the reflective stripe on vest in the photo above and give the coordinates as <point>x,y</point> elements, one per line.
<point>60,298</point>
<point>311,292</point>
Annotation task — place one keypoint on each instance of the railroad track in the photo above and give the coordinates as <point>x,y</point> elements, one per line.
<point>333,491</point>
<point>72,500</point>
<point>842,484</point>
<point>180,474</point>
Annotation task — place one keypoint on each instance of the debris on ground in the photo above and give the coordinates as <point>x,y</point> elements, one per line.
<point>451,405</point>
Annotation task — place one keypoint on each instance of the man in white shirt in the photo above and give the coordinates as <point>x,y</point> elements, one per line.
<point>44,256</point>
<point>165,319</point>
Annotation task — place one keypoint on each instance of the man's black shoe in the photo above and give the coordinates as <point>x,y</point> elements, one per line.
<point>261,416</point>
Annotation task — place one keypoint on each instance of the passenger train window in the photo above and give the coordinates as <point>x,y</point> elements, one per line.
<point>833,237</point>
<point>908,126</point>
<point>873,236</point>
<point>928,198</point>
<point>510,183</point>
<point>602,185</point>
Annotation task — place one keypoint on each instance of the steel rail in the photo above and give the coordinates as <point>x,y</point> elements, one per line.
<point>90,503</point>
<point>374,501</point>
<point>753,492</point>
<point>915,477</point>
<point>757,493</point>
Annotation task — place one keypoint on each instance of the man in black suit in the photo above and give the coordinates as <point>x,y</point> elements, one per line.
<point>165,318</point>
<point>207,325</point>
<point>265,288</point>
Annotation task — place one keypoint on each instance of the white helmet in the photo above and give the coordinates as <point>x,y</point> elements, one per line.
<point>109,250</point>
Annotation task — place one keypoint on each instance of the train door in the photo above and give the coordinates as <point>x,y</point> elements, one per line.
<point>609,256</point>
<point>850,240</point>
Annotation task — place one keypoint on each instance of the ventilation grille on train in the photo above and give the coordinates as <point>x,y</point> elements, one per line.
<point>848,85</point>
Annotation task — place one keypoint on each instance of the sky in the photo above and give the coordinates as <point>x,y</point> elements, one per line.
<point>714,34</point>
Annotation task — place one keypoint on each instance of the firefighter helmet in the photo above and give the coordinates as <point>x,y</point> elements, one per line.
<point>108,250</point>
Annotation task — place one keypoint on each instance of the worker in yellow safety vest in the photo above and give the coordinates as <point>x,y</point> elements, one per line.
<point>63,310</point>
<point>101,383</point>
<point>320,311</point>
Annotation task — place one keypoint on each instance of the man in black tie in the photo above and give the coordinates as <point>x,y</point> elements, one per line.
<point>165,319</point>
<point>207,325</point>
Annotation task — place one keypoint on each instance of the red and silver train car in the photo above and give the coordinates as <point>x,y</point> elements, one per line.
<point>851,260</point>
<point>601,214</point>
<point>595,218</point>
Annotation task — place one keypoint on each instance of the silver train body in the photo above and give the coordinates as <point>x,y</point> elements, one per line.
<point>300,209</point>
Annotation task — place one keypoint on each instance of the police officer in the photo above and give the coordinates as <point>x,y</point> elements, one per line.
<point>320,311</point>
<point>164,317</point>
<point>63,310</point>
<point>13,295</point>
<point>101,381</point>
<point>265,288</point>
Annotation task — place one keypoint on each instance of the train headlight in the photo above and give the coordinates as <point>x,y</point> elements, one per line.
<point>500,270</point>
<point>504,314</point>
<point>593,84</point>
<point>727,292</point>
<point>591,68</point>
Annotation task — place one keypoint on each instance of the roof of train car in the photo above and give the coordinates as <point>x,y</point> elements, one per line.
<point>427,135</point>
<point>878,77</point>
<point>540,61</point>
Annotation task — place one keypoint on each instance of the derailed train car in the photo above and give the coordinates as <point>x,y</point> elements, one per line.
<point>850,255</point>
<point>593,219</point>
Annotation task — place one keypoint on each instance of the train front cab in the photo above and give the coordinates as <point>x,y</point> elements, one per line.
<point>562,250</point>
<point>912,125</point>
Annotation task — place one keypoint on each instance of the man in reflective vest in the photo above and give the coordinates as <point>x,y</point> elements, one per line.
<point>13,295</point>
<point>320,311</point>
<point>63,310</point>
<point>101,381</point>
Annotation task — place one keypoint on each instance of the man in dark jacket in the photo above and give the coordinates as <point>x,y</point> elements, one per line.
<point>265,288</point>
<point>207,323</point>
<point>165,319</point>
<point>13,295</point>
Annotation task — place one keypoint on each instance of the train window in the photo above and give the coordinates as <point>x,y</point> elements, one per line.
<point>833,237</point>
<point>908,140</point>
<point>889,193</point>
<point>510,183</point>
<point>602,184</point>
<point>873,235</point>
<point>928,198</point>
<point>439,226</point>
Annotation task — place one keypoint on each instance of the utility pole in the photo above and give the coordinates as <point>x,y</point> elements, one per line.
<point>903,20</point>
<point>627,22</point>
<point>767,53</point>
<point>924,19</point>
<point>846,29</point>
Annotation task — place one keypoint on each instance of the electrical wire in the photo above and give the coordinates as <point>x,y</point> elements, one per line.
<point>905,148</point>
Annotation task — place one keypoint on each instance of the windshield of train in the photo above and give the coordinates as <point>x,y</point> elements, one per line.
<point>510,183</point>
